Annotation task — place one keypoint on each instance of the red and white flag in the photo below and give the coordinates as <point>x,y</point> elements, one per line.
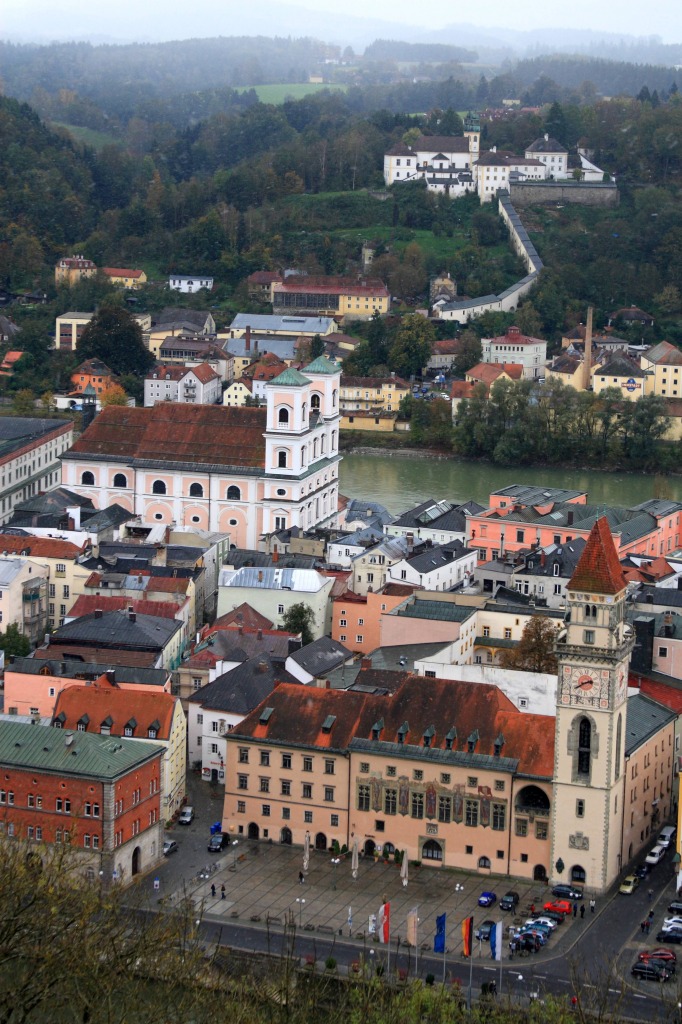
<point>384,922</point>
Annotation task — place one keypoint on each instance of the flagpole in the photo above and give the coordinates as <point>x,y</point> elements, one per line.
<point>471,978</point>
<point>444,937</point>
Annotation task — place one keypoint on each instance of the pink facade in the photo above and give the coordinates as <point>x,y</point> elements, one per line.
<point>36,694</point>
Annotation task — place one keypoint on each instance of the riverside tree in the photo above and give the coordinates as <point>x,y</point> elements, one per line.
<point>114,336</point>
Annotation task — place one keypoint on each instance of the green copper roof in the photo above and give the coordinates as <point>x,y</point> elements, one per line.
<point>291,377</point>
<point>322,365</point>
<point>84,754</point>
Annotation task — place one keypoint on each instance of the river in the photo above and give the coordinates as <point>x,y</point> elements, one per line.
<point>399,483</point>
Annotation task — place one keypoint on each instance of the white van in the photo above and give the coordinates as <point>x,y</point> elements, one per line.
<point>666,836</point>
<point>655,855</point>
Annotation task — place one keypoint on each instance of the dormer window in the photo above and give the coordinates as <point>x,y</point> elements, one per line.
<point>450,738</point>
<point>472,740</point>
<point>499,743</point>
<point>105,727</point>
<point>402,732</point>
<point>428,736</point>
<point>328,723</point>
<point>377,728</point>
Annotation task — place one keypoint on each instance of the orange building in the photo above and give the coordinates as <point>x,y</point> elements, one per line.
<point>96,374</point>
<point>356,619</point>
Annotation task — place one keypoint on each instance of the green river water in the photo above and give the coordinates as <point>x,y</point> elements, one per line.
<point>399,483</point>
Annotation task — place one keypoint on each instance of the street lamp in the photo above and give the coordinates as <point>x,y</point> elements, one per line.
<point>300,901</point>
<point>234,844</point>
<point>335,862</point>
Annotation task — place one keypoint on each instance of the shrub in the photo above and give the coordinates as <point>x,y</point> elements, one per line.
<point>330,963</point>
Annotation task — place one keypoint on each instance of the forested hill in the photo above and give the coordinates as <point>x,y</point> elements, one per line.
<point>136,71</point>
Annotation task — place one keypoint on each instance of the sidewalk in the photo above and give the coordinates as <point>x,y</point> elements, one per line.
<point>263,884</point>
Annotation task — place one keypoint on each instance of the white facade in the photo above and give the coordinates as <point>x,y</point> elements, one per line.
<point>444,162</point>
<point>163,385</point>
<point>206,738</point>
<point>189,285</point>
<point>513,347</point>
<point>272,592</point>
<point>31,460</point>
<point>430,571</point>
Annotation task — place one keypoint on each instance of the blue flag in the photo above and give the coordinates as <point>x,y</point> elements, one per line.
<point>496,933</point>
<point>439,940</point>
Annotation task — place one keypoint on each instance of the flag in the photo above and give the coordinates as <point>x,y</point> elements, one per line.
<point>439,940</point>
<point>496,936</point>
<point>468,935</point>
<point>384,922</point>
<point>412,927</point>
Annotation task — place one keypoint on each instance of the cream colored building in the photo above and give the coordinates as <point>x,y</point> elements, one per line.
<point>59,559</point>
<point>70,270</point>
<point>69,328</point>
<point>23,597</point>
<point>662,365</point>
<point>365,394</point>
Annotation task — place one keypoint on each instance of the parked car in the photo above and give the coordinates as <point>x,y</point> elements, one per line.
<point>543,920</point>
<point>658,953</point>
<point>567,892</point>
<point>642,870</point>
<point>673,936</point>
<point>666,836</point>
<point>169,846</point>
<point>483,931</point>
<point>186,816</point>
<point>554,916</point>
<point>672,922</point>
<point>629,884</point>
<point>650,972</point>
<point>509,901</point>
<point>655,855</point>
<point>530,943</point>
<point>539,934</point>
<point>218,842</point>
<point>559,906</point>
<point>668,964</point>
<point>486,899</point>
<point>675,907</point>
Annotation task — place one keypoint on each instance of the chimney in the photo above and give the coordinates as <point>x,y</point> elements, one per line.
<point>569,517</point>
<point>131,616</point>
<point>260,634</point>
<point>275,555</point>
<point>74,514</point>
<point>543,558</point>
<point>587,361</point>
<point>111,676</point>
<point>247,339</point>
<point>366,663</point>
<point>98,613</point>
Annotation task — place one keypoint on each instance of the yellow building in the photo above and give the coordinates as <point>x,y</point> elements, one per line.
<point>125,278</point>
<point>662,365</point>
<point>619,372</point>
<point>334,296</point>
<point>65,575</point>
<point>70,326</point>
<point>568,369</point>
<point>371,394</point>
<point>237,393</point>
<point>384,422</point>
<point>70,270</point>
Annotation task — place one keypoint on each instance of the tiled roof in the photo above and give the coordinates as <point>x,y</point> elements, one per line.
<point>91,367</point>
<point>546,145</point>
<point>168,433</point>
<point>298,716</point>
<point>599,570</point>
<point>619,366</point>
<point>89,603</point>
<point>515,337</point>
<point>71,754</point>
<point>488,373</point>
<point>169,314</point>
<point>121,272</point>
<point>301,284</point>
<point>204,373</point>
<point>263,277</point>
<point>40,547</point>
<point>669,694</point>
<point>264,322</point>
<point>321,656</point>
<point>242,615</point>
<point>100,655</point>
<point>101,700</point>
<point>440,611</point>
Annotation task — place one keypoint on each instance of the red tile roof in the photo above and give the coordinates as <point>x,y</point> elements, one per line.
<point>488,373</point>
<point>102,700</point>
<point>263,277</point>
<point>443,704</point>
<point>170,432</point>
<point>41,547</point>
<point>514,335</point>
<point>299,284</point>
<point>664,693</point>
<point>121,272</point>
<point>88,603</point>
<point>599,571</point>
<point>99,655</point>
<point>203,372</point>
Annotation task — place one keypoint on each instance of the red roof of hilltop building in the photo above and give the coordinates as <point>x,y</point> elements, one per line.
<point>599,570</point>
<point>332,285</point>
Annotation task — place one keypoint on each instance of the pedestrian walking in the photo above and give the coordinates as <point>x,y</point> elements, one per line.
<point>593,904</point>
<point>647,925</point>
<point>582,910</point>
<point>213,889</point>
<point>301,878</point>
<point>532,908</point>
<point>651,915</point>
<point>651,894</point>
<point>643,927</point>
<point>575,909</point>
<point>222,891</point>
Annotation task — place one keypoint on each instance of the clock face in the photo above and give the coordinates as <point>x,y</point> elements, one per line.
<point>584,684</point>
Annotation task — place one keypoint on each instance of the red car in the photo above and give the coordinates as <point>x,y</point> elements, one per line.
<point>559,906</point>
<point>658,954</point>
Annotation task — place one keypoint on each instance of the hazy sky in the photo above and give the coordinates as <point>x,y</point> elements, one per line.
<point>330,19</point>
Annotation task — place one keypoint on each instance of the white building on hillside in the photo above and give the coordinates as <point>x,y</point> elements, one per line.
<point>197,385</point>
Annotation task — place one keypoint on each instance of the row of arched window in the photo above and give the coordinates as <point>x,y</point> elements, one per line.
<point>315,403</point>
<point>159,486</point>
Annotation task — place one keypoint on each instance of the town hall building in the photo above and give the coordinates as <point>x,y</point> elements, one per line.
<point>242,471</point>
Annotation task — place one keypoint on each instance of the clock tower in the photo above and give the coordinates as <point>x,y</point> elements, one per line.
<point>593,653</point>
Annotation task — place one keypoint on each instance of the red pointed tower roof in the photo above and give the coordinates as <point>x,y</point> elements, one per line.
<point>599,571</point>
